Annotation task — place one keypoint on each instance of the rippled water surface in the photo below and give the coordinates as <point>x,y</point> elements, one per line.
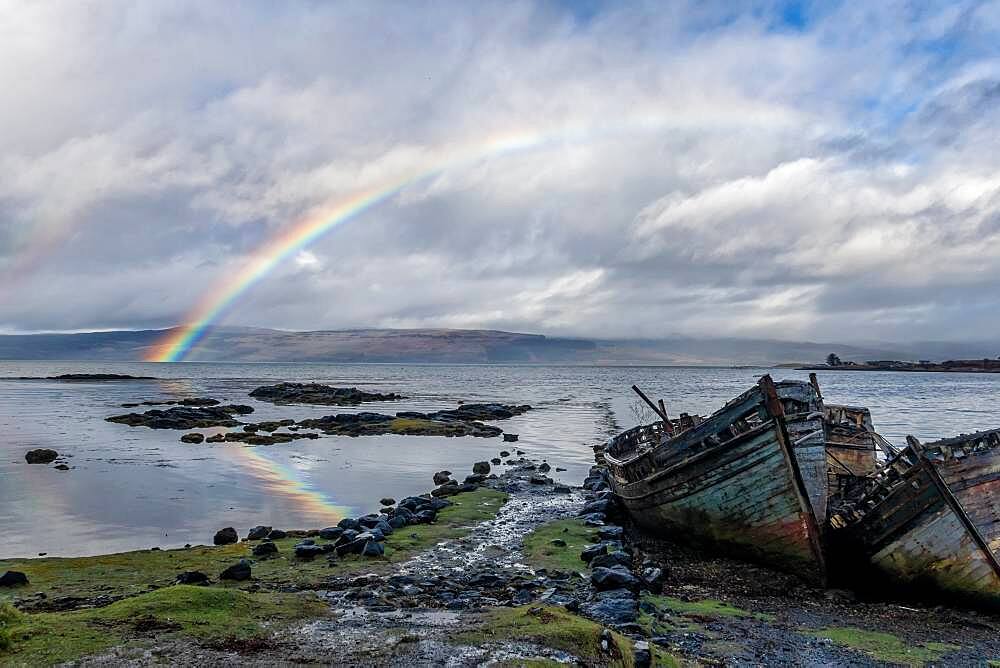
<point>134,487</point>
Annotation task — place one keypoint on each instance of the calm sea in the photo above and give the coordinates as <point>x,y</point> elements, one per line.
<point>137,488</point>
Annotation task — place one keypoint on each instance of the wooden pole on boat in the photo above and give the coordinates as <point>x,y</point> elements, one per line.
<point>772,403</point>
<point>656,409</point>
<point>953,502</point>
<point>667,426</point>
<point>815,383</point>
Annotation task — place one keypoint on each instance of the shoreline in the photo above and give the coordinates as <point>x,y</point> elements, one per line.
<point>509,585</point>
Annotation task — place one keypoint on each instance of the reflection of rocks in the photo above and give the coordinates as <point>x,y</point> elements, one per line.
<point>314,393</point>
<point>40,456</point>
<point>184,417</point>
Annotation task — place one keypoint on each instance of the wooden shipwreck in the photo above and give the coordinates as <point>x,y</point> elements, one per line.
<point>750,479</point>
<point>929,518</point>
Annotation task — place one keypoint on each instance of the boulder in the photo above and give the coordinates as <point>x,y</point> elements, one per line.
<point>330,533</point>
<point>504,453</point>
<point>538,479</point>
<point>475,479</point>
<point>610,532</point>
<point>398,522</point>
<point>495,461</point>
<point>481,467</point>
<point>226,536</point>
<point>40,456</point>
<point>61,467</point>
<point>218,438</point>
<point>308,551</point>
<point>617,577</point>
<point>561,489</point>
<point>599,506</point>
<point>508,438</point>
<point>388,501</point>
<point>373,549</point>
<point>13,579</point>
<point>612,559</point>
<point>238,571</point>
<point>544,467</point>
<point>592,552</point>
<point>192,578</point>
<point>258,532</point>
<point>438,504</point>
<point>193,437</point>
<point>615,606</point>
<point>368,521</point>
<point>652,579</point>
<point>349,523</point>
<point>266,549</point>
<point>277,534</point>
<point>441,477</point>
<point>641,655</point>
<point>424,517</point>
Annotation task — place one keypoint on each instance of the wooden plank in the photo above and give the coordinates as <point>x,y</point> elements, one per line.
<point>954,504</point>
<point>774,408</point>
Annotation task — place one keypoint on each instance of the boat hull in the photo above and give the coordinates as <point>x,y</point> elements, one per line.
<point>740,497</point>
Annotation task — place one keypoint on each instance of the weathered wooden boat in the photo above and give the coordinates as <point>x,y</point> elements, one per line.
<point>930,519</point>
<point>750,479</point>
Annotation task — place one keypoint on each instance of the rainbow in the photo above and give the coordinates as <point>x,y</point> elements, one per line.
<point>285,483</point>
<point>178,341</point>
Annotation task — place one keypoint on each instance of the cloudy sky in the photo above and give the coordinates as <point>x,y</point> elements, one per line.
<point>789,170</point>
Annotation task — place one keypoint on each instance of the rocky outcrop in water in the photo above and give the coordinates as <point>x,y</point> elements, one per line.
<point>184,417</point>
<point>315,393</point>
<point>192,401</point>
<point>40,456</point>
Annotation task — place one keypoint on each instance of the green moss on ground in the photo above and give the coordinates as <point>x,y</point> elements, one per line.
<point>133,573</point>
<point>559,629</point>
<point>208,614</point>
<point>885,646</point>
<point>539,551</point>
<point>553,627</point>
<point>704,609</point>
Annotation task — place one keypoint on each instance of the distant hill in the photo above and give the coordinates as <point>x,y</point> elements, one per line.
<point>237,344</point>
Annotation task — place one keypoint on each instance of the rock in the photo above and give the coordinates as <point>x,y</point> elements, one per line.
<point>481,412</point>
<point>544,467</point>
<point>617,577</point>
<point>612,559</point>
<point>349,523</point>
<point>495,460</point>
<point>475,479</point>
<point>592,552</point>
<point>372,549</point>
<point>508,438</point>
<point>184,417</point>
<point>538,479</point>
<point>40,456</point>
<point>599,506</point>
<point>192,578</point>
<point>561,489</point>
<point>520,452</point>
<point>481,467</point>
<point>641,655</point>
<point>265,549</point>
<point>226,536</point>
<point>398,522</point>
<point>615,606</point>
<point>61,467</point>
<point>307,552</point>
<point>368,521</point>
<point>441,477</point>
<point>193,437</point>
<point>218,438</point>
<point>388,501</point>
<point>606,641</point>
<point>314,393</point>
<point>238,571</point>
<point>610,532</point>
<point>593,519</point>
<point>277,534</point>
<point>504,453</point>
<point>424,517</point>
<point>438,504</point>
<point>13,579</point>
<point>558,542</point>
<point>258,532</point>
<point>331,533</point>
<point>522,596</point>
<point>652,579</point>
